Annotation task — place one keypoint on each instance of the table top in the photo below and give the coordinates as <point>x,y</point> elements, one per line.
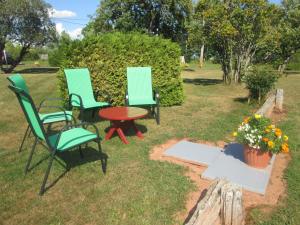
<point>122,113</point>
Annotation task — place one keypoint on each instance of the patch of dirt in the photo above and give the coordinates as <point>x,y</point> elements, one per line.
<point>275,190</point>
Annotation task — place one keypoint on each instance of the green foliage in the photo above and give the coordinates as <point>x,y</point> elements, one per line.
<point>294,63</point>
<point>166,18</point>
<point>107,57</point>
<point>259,82</point>
<point>57,54</point>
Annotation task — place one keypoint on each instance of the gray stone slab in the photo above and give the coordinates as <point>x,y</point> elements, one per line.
<point>231,166</point>
<point>198,153</point>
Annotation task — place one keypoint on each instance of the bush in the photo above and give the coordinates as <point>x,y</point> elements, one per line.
<point>259,82</point>
<point>107,57</point>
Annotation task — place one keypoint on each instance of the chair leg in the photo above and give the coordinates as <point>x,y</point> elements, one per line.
<point>80,152</point>
<point>25,135</point>
<point>47,174</point>
<point>157,116</point>
<point>103,160</point>
<point>30,156</point>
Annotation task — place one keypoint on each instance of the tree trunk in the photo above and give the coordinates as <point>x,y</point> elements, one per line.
<point>23,52</point>
<point>201,56</point>
<point>282,67</point>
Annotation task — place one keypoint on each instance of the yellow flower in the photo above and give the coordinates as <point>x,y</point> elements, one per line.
<point>271,144</point>
<point>257,116</point>
<point>271,127</point>
<point>285,148</point>
<point>267,130</point>
<point>285,138</point>
<point>234,134</point>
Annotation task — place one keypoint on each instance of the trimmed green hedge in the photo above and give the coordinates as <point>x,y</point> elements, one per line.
<point>107,57</point>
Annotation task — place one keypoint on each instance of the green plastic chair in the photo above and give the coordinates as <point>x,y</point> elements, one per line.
<point>139,90</point>
<point>69,137</point>
<point>80,89</point>
<point>48,118</point>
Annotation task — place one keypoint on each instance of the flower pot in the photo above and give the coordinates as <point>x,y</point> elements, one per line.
<point>256,157</point>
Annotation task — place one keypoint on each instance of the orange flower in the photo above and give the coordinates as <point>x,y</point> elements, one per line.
<point>285,148</point>
<point>278,132</point>
<point>246,120</point>
<point>265,139</point>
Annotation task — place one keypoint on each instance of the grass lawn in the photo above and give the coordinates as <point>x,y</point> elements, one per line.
<point>135,190</point>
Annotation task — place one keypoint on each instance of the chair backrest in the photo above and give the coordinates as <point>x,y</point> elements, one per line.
<point>139,83</point>
<point>18,81</point>
<point>79,82</point>
<point>30,111</point>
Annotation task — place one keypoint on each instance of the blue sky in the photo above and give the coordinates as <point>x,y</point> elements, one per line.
<point>72,15</point>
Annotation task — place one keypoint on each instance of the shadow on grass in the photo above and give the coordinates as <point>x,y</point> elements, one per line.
<point>202,81</point>
<point>37,70</point>
<point>241,99</point>
<point>73,158</point>
<point>189,69</point>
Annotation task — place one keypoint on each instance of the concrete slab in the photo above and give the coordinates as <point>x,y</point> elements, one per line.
<point>198,153</point>
<point>230,165</point>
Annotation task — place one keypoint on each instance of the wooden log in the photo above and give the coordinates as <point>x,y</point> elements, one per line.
<point>279,99</point>
<point>267,107</point>
<point>232,212</point>
<point>208,209</point>
<point>222,204</point>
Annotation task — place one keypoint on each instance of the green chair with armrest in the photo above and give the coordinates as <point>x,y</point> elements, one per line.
<point>139,90</point>
<point>69,137</point>
<point>48,118</point>
<point>80,90</point>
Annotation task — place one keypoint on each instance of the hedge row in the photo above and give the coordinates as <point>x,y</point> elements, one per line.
<point>107,57</point>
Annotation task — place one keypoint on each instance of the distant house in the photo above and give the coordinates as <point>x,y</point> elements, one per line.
<point>43,56</point>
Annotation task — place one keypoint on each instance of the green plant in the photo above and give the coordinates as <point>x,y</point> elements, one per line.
<point>260,82</point>
<point>107,57</point>
<point>258,133</point>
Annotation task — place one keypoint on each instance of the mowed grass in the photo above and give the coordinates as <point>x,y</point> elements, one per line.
<point>134,190</point>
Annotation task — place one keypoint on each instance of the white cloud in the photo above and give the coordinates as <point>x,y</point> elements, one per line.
<point>59,27</point>
<point>74,34</point>
<point>54,13</point>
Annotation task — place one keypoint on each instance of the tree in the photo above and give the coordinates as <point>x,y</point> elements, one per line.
<point>235,30</point>
<point>289,29</point>
<point>26,23</point>
<point>157,17</point>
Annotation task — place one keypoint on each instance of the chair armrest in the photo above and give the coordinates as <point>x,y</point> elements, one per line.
<point>60,108</point>
<point>126,98</point>
<point>79,97</point>
<point>156,95</point>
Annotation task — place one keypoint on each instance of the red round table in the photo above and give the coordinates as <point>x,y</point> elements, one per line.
<point>122,118</point>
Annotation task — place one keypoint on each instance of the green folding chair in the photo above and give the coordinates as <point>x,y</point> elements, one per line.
<point>48,118</point>
<point>69,137</point>
<point>139,90</point>
<point>80,90</point>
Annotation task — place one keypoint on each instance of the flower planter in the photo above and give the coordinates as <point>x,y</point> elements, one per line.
<point>256,157</point>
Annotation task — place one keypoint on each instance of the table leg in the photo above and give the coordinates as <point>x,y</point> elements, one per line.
<point>122,136</point>
<point>110,133</point>
<point>137,131</point>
